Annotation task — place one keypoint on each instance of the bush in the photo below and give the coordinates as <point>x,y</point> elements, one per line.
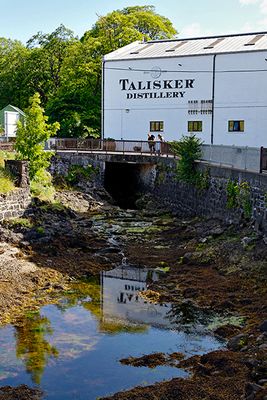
<point>78,172</point>
<point>188,149</point>
<point>41,185</point>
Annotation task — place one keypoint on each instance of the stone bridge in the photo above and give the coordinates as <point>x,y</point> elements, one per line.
<point>127,176</point>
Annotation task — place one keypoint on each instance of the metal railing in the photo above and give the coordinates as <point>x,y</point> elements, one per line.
<point>112,146</point>
<point>239,157</point>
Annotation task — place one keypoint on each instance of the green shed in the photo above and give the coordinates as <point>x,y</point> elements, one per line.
<point>9,116</point>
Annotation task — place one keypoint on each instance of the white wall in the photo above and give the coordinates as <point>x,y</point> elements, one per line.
<point>11,119</point>
<point>129,118</point>
<point>238,96</point>
<point>241,96</point>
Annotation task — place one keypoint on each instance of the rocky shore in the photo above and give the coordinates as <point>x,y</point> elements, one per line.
<point>204,264</point>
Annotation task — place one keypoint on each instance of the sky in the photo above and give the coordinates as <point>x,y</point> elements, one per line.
<point>21,19</point>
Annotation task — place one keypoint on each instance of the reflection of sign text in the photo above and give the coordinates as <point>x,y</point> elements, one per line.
<point>157,89</point>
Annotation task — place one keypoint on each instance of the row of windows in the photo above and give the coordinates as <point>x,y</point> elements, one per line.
<point>196,126</point>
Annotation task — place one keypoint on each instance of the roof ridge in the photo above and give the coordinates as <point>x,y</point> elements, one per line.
<point>206,37</point>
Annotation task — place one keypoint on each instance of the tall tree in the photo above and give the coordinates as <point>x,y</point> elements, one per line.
<point>32,135</point>
<point>13,55</point>
<point>78,104</point>
<point>48,52</point>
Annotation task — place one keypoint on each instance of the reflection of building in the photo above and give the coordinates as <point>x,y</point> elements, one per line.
<point>121,299</point>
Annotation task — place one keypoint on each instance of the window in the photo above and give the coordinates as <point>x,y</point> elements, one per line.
<point>236,126</point>
<point>156,126</point>
<point>194,126</point>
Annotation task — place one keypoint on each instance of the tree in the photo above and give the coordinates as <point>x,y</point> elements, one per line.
<point>122,27</point>
<point>53,48</point>
<point>78,102</point>
<point>32,135</point>
<point>188,149</point>
<point>13,55</point>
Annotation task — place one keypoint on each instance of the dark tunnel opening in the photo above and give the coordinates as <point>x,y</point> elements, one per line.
<point>123,182</point>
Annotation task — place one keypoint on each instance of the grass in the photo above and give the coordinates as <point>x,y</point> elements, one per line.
<point>6,181</point>
<point>6,155</point>
<point>22,222</point>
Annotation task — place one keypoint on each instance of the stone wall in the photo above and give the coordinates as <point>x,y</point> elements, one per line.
<point>20,170</point>
<point>158,176</point>
<point>187,200</point>
<point>14,204</point>
<point>17,202</point>
<point>61,162</point>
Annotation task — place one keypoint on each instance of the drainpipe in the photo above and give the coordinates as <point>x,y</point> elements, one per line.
<point>213,97</point>
<point>102,100</point>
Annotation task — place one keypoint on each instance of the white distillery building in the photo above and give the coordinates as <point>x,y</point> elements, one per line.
<point>215,87</point>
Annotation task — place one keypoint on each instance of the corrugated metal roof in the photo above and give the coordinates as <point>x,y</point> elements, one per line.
<point>191,46</point>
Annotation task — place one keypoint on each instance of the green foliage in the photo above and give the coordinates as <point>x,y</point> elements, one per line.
<point>232,194</point>
<point>41,185</point>
<point>188,149</point>
<point>31,137</point>
<point>77,172</point>
<point>244,199</point>
<point>12,74</point>
<point>66,72</point>
<point>6,155</point>
<point>238,196</point>
<point>6,181</point>
<point>20,222</point>
<point>32,346</point>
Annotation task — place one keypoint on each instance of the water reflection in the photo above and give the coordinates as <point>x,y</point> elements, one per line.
<point>32,346</point>
<point>121,299</point>
<point>72,348</point>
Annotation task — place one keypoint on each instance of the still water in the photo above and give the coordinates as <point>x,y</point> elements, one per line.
<point>71,350</point>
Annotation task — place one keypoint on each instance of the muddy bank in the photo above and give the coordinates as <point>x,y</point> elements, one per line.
<point>204,267</point>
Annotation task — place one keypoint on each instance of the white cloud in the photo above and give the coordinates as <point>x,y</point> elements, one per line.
<point>194,30</point>
<point>263,6</point>
<point>248,2</point>
<point>248,27</point>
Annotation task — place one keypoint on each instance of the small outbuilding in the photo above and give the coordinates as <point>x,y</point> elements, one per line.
<point>9,116</point>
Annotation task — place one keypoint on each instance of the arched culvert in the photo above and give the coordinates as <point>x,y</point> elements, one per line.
<point>126,181</point>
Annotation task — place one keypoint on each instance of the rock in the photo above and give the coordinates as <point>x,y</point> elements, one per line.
<point>263,326</point>
<point>109,250</point>
<point>187,257</point>
<point>190,292</point>
<point>237,342</point>
<point>247,240</point>
<point>227,330</point>
<point>217,231</point>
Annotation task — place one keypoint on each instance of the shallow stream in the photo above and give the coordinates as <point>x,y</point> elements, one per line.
<point>71,350</point>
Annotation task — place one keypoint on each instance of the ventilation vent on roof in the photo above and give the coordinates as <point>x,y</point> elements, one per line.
<point>253,41</point>
<point>143,48</point>
<point>213,44</point>
<point>180,44</point>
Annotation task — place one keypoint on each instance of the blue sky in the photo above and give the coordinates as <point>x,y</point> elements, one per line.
<point>20,19</point>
